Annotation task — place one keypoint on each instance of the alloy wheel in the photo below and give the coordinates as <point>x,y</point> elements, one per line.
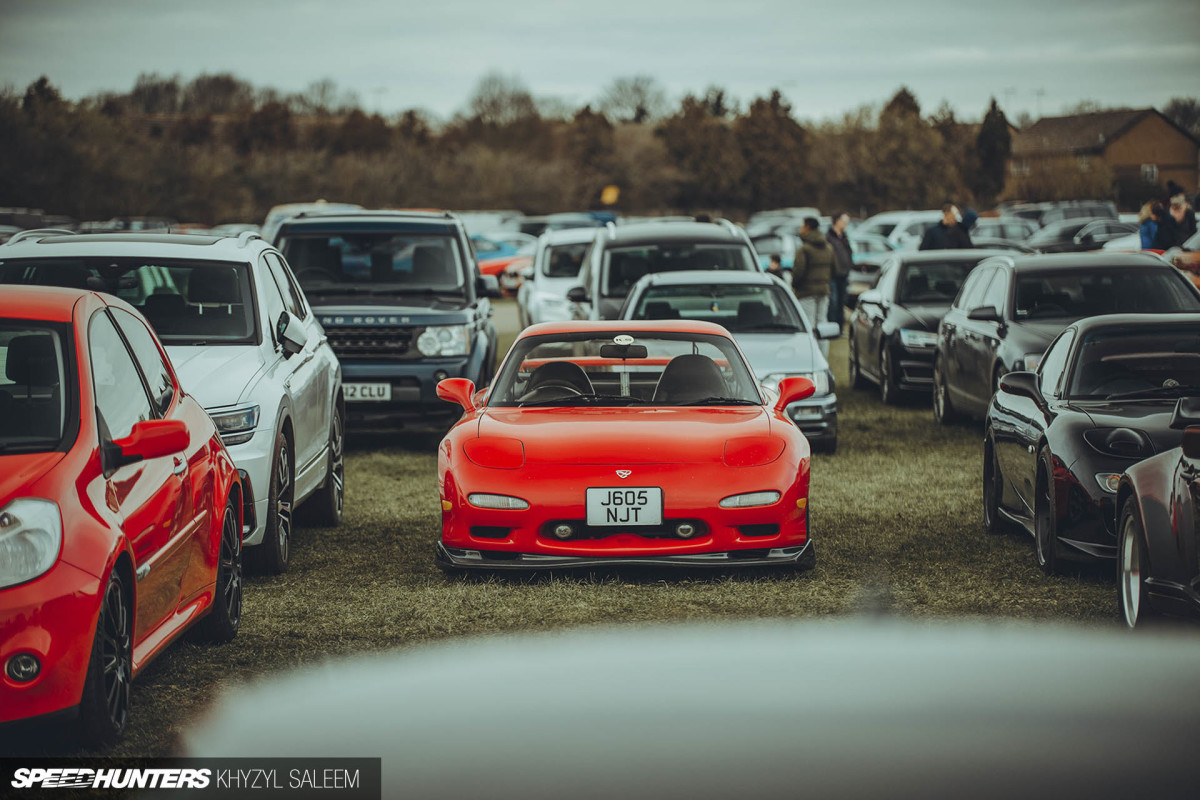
<point>283,500</point>
<point>1131,575</point>
<point>116,654</point>
<point>337,471</point>
<point>231,566</point>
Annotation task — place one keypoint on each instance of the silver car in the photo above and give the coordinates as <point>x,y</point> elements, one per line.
<point>555,269</point>
<point>768,324</point>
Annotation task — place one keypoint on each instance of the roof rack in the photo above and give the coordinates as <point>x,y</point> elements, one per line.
<point>611,227</point>
<point>244,238</point>
<point>38,233</point>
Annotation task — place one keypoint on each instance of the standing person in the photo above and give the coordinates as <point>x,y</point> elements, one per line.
<point>953,232</point>
<point>1148,219</point>
<point>843,262</point>
<point>775,265</point>
<point>811,274</point>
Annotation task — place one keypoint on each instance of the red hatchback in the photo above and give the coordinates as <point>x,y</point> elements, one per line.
<point>120,510</point>
<point>611,443</point>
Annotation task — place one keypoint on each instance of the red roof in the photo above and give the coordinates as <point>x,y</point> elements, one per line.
<point>618,325</point>
<point>1080,133</point>
<point>46,303</point>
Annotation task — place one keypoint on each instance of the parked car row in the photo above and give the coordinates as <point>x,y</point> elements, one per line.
<point>1085,370</point>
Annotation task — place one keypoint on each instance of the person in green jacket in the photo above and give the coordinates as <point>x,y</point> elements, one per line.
<point>812,270</point>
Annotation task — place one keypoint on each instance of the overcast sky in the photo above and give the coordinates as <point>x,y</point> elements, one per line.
<point>827,57</point>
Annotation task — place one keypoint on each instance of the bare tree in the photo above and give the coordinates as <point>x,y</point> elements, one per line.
<point>501,99</point>
<point>635,99</point>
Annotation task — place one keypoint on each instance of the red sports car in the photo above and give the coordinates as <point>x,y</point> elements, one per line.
<point>120,510</point>
<point>627,442</point>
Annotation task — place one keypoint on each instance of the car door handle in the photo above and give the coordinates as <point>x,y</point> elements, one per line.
<point>180,466</point>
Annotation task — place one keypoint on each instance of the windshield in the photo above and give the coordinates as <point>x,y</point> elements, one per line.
<point>741,309</point>
<point>375,263</point>
<point>1083,293</point>
<point>33,389</point>
<point>623,266</point>
<point>634,369</point>
<point>1165,362</point>
<point>564,260</point>
<point>186,302</point>
<point>933,282</point>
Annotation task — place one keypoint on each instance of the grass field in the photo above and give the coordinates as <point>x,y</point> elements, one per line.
<point>896,524</point>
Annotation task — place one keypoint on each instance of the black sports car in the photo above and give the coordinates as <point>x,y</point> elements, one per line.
<point>893,331</point>
<point>1110,392</point>
<point>1158,502</point>
<point>1011,307</point>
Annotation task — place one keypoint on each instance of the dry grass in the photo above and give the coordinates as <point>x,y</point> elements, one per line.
<point>897,527</point>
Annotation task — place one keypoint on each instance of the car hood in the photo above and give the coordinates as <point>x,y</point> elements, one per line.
<point>624,435</point>
<point>926,316</point>
<point>780,352</point>
<point>215,376</point>
<point>1153,417</point>
<point>19,471</point>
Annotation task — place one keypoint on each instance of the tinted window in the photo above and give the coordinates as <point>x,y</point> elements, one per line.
<point>564,260</point>
<point>274,302</point>
<point>379,263</point>
<point>1165,362</point>
<point>741,309</point>
<point>291,292</point>
<point>933,282</point>
<point>996,295</point>
<point>184,301</point>
<point>120,395</point>
<point>1053,364</point>
<point>973,288</point>
<point>32,387</point>
<point>162,389</point>
<point>1086,293</point>
<point>625,265</point>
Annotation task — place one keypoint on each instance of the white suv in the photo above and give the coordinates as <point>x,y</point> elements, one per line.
<point>243,342</point>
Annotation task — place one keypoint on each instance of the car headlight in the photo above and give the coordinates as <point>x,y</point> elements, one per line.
<point>822,381</point>
<point>30,538</point>
<point>1109,481</point>
<point>1032,361</point>
<point>750,500</point>
<point>236,425</point>
<point>444,340</point>
<point>915,338</point>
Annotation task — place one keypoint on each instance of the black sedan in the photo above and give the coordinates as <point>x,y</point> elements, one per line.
<point>893,331</point>
<point>1011,307</point>
<point>1110,391</point>
<point>1079,235</point>
<point>1158,502</point>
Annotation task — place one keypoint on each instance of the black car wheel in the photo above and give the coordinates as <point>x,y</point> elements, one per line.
<point>104,706</point>
<point>857,379</point>
<point>1133,597</point>
<point>889,390</point>
<point>272,556</point>
<point>943,411</point>
<point>1045,517</point>
<point>324,508</point>
<point>993,522</point>
<point>221,624</point>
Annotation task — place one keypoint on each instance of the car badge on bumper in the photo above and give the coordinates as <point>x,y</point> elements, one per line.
<point>624,473</point>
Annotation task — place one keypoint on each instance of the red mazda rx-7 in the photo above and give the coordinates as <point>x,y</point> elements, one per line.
<point>628,442</point>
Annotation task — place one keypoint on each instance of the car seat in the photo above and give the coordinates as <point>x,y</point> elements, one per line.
<point>31,363</point>
<point>688,378</point>
<point>215,292</point>
<point>560,373</point>
<point>659,309</point>
<point>165,312</point>
<point>751,313</point>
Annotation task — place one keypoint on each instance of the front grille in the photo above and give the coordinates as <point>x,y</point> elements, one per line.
<point>374,342</point>
<point>584,531</point>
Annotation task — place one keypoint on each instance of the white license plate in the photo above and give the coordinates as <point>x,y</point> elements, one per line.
<point>625,505</point>
<point>367,392</point>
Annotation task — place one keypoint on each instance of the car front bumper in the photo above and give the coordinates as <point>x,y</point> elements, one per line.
<point>414,404</point>
<point>816,417</point>
<point>455,558</point>
<point>52,618</point>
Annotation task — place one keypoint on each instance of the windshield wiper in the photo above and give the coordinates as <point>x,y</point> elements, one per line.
<point>571,400</point>
<point>721,401</point>
<point>1156,391</point>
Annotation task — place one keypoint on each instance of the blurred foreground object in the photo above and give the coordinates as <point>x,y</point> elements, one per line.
<point>846,709</point>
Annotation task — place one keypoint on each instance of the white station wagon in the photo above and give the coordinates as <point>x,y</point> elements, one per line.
<point>243,342</point>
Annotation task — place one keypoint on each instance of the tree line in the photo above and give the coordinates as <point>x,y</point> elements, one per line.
<point>217,149</point>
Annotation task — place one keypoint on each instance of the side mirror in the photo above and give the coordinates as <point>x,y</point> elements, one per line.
<point>793,389</point>
<point>828,330</point>
<point>577,294</point>
<point>985,314</point>
<point>458,390</point>
<point>151,439</point>
<point>487,286</point>
<point>1022,384</point>
<point>290,333</point>
<point>1191,443</point>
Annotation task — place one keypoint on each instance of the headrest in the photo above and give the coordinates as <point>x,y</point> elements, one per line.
<point>659,309</point>
<point>69,276</point>
<point>689,377</point>
<point>561,372</point>
<point>164,306</point>
<point>751,311</point>
<point>31,360</point>
<point>217,285</point>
